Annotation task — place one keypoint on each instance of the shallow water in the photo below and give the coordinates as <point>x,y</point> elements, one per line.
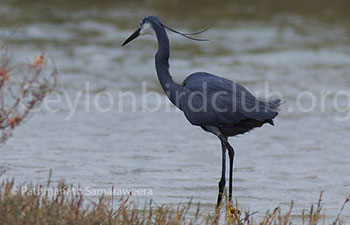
<point>305,153</point>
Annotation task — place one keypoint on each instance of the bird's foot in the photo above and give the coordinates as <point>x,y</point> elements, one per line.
<point>234,215</point>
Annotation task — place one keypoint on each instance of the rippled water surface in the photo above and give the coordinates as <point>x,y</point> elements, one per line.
<point>305,153</point>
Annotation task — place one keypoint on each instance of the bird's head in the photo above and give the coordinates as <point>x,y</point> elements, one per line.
<point>148,25</point>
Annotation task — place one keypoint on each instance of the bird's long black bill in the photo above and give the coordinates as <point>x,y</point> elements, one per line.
<point>132,37</point>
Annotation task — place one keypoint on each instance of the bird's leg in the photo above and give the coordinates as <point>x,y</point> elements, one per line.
<point>222,181</point>
<point>231,154</point>
<point>224,143</point>
<point>234,214</point>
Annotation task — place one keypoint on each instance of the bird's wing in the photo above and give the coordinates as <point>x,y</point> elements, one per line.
<point>214,100</point>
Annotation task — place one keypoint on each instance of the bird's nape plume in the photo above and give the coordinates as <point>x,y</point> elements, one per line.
<point>199,32</point>
<point>189,34</point>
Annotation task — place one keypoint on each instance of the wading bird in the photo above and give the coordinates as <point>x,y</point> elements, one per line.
<point>217,105</point>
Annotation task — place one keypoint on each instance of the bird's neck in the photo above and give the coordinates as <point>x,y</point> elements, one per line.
<point>162,65</point>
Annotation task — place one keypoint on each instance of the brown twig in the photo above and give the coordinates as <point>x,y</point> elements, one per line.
<point>22,88</point>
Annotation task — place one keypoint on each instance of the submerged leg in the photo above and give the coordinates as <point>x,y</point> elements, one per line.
<point>222,181</point>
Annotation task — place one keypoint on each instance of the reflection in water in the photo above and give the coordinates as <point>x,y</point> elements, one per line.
<point>295,48</point>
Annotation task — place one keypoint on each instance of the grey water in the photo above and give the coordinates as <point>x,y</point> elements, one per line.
<point>303,55</point>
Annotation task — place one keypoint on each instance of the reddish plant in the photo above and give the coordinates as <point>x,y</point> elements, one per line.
<point>22,88</point>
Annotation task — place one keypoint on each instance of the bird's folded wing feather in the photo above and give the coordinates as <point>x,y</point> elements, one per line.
<point>222,101</point>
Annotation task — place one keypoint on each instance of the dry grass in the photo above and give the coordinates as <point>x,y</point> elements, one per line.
<point>27,208</point>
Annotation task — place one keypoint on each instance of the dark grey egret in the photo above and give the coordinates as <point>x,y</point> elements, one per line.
<point>216,104</point>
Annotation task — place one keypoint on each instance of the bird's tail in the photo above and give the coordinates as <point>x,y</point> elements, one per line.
<point>275,103</point>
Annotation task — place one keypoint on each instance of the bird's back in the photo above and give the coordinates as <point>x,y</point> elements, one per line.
<point>207,99</point>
